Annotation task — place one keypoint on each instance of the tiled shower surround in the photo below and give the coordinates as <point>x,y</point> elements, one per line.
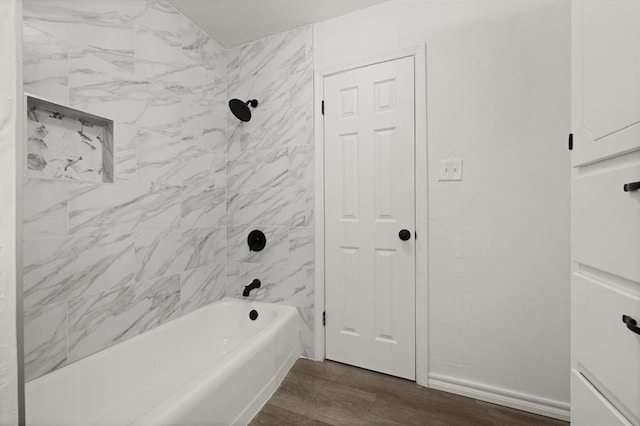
<point>270,173</point>
<point>104,262</point>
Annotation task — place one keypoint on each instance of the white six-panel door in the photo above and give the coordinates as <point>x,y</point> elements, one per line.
<point>369,199</point>
<point>605,283</point>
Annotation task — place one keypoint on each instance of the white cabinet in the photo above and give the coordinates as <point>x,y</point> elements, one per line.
<point>606,78</point>
<point>605,214</point>
<point>605,282</point>
<point>595,409</point>
<point>603,347</point>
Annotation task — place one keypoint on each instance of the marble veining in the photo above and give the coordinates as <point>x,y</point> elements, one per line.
<point>233,277</point>
<point>280,284</point>
<point>270,173</point>
<point>62,144</point>
<point>126,152</point>
<point>163,20</point>
<point>105,262</point>
<point>275,128</point>
<point>104,28</point>
<point>158,59</point>
<point>252,170</point>
<point>269,206</point>
<point>165,252</point>
<point>202,286</point>
<point>170,160</point>
<point>199,83</point>
<point>102,88</point>
<point>307,335</point>
<point>203,206</point>
<point>44,208</point>
<point>276,252</point>
<point>219,175</point>
<point>203,124</point>
<point>271,89</point>
<point>272,54</point>
<point>301,72</point>
<point>45,339</point>
<point>193,40</point>
<point>58,268</point>
<point>301,247</point>
<point>158,43</point>
<point>123,207</point>
<point>45,65</point>
<point>301,167</point>
<point>125,100</point>
<point>106,319</point>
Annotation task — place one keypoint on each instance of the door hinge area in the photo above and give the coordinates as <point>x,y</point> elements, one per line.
<point>322,107</point>
<point>570,141</point>
<point>324,318</point>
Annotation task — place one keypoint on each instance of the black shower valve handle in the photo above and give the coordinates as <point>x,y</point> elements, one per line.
<point>256,240</point>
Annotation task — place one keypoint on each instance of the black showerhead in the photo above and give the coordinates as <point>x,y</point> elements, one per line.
<point>241,109</point>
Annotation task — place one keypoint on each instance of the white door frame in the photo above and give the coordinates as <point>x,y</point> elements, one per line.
<point>421,200</point>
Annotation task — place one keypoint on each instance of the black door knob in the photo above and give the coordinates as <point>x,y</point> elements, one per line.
<point>404,234</point>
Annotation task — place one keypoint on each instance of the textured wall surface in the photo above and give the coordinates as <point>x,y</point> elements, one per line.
<point>105,262</point>
<point>498,240</point>
<point>270,173</point>
<point>9,134</point>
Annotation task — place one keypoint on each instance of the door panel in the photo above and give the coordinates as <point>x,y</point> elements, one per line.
<point>369,198</point>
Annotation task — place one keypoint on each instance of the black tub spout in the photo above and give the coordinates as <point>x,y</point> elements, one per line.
<point>254,284</point>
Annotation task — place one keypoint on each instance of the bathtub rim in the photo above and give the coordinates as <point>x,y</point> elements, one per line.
<point>221,368</point>
<point>105,352</point>
<point>207,375</point>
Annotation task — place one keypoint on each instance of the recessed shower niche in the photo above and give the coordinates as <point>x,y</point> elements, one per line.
<point>64,143</point>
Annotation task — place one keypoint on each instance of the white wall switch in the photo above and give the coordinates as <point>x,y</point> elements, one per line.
<point>450,169</point>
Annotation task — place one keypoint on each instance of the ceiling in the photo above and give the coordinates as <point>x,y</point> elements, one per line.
<point>235,22</point>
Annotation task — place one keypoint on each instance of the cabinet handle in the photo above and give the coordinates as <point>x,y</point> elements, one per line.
<point>633,186</point>
<point>631,324</point>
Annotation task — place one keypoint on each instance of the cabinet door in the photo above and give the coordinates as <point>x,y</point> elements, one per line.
<point>605,78</point>
<point>605,212</point>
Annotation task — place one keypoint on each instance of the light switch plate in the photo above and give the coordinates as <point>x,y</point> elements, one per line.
<point>450,169</point>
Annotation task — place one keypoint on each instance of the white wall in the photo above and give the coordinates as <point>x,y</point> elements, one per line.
<point>498,89</point>
<point>10,28</point>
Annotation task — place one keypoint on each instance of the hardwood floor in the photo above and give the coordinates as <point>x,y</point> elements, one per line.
<point>330,393</point>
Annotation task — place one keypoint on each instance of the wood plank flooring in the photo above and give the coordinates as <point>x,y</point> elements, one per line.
<point>330,393</point>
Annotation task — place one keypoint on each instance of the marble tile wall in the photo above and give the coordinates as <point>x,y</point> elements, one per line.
<point>270,173</point>
<point>104,262</point>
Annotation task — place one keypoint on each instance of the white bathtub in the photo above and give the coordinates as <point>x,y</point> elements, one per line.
<point>211,367</point>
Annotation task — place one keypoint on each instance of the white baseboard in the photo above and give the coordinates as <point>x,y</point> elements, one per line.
<point>520,401</point>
